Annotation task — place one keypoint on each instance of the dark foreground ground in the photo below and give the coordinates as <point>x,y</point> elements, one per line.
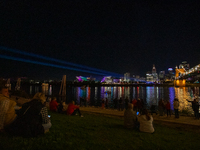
<point>96,131</point>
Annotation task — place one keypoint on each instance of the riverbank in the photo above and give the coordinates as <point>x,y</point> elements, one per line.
<point>183,119</point>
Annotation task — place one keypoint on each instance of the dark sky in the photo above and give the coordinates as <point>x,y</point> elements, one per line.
<point>117,36</point>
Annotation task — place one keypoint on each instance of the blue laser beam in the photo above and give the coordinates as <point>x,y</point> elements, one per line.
<point>59,61</point>
<point>47,64</point>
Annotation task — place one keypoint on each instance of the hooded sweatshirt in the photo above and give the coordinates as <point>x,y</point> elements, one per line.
<point>146,125</point>
<point>7,111</point>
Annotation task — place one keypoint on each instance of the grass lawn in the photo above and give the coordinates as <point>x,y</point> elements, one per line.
<point>101,132</point>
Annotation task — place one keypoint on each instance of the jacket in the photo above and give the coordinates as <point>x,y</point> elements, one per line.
<point>129,118</point>
<point>7,111</point>
<point>167,106</point>
<point>71,108</point>
<point>176,104</point>
<point>146,125</point>
<point>53,106</point>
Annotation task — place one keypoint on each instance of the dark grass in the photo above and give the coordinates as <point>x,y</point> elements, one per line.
<point>101,132</point>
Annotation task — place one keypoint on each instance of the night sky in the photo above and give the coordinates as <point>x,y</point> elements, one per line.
<point>117,36</point>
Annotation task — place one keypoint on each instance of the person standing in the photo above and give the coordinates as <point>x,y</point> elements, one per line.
<point>115,103</point>
<point>126,103</point>
<point>193,106</point>
<point>139,105</point>
<point>161,107</point>
<point>7,110</point>
<point>196,109</point>
<point>102,103</point>
<point>168,108</point>
<point>176,105</point>
<point>106,103</point>
<point>120,104</point>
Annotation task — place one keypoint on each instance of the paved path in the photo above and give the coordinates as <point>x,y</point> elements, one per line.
<point>181,120</point>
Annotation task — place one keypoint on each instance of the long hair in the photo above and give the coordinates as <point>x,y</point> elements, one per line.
<point>40,97</point>
<point>145,112</point>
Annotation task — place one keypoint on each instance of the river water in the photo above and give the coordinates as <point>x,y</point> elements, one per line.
<point>150,94</point>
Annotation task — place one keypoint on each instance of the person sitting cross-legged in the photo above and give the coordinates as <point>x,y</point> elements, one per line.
<point>73,109</point>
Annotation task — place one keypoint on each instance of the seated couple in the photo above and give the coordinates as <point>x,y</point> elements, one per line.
<point>144,121</point>
<point>70,109</point>
<point>56,107</point>
<point>32,119</point>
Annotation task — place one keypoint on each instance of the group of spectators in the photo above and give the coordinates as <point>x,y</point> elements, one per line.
<point>165,107</point>
<point>121,103</point>
<point>143,121</point>
<point>32,118</point>
<point>70,109</point>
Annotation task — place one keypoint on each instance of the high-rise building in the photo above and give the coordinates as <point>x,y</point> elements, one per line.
<point>149,77</point>
<point>161,75</point>
<point>155,75</point>
<point>127,77</point>
<point>153,69</point>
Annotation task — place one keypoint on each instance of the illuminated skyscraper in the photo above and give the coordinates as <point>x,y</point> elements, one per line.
<point>155,75</point>
<point>153,69</point>
<point>127,77</point>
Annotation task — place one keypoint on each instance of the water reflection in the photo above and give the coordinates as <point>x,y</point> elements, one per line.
<point>151,95</point>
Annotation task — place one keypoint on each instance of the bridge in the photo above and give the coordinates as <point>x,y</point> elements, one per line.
<point>181,75</point>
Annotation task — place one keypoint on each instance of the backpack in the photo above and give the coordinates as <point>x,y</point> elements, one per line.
<point>29,121</point>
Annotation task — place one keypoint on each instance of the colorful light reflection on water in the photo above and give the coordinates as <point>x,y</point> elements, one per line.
<point>151,95</point>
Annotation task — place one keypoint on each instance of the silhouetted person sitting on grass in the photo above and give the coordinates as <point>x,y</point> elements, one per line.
<point>53,105</point>
<point>146,122</point>
<point>33,118</point>
<point>73,109</point>
<point>130,117</point>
